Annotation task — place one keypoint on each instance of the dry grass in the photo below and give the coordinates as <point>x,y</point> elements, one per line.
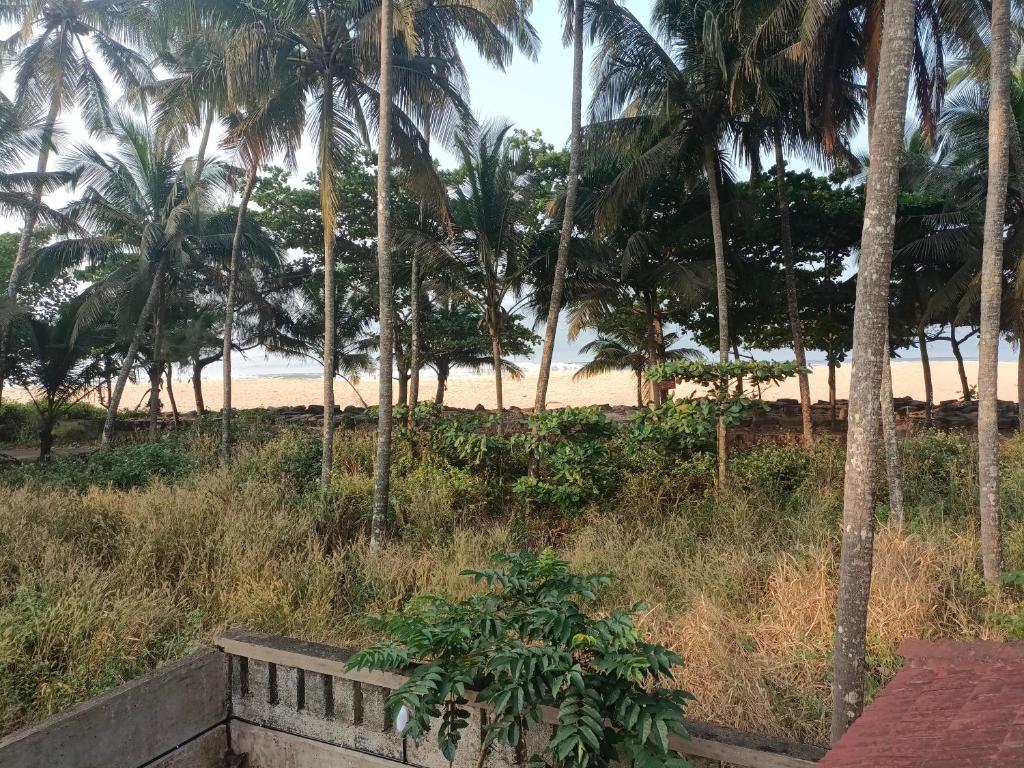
<point>102,585</point>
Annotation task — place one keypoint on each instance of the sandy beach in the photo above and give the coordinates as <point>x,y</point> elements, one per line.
<point>467,391</point>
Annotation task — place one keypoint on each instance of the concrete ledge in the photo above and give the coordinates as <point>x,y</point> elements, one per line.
<point>133,725</point>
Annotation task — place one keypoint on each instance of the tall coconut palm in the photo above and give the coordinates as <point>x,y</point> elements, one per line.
<point>139,203</point>
<point>488,252</point>
<point>1001,60</point>
<point>496,29</point>
<point>871,323</point>
<point>572,11</point>
<point>329,54</point>
<point>385,282</point>
<point>56,55</point>
<point>668,94</point>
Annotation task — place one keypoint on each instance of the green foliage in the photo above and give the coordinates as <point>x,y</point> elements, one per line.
<point>571,446</point>
<point>123,468</point>
<point>471,441</point>
<point>771,471</point>
<point>711,374</point>
<point>683,426</point>
<point>528,642</point>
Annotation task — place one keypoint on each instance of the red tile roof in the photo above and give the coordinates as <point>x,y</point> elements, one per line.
<point>954,705</point>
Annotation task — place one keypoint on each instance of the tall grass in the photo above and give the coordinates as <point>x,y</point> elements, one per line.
<point>101,582</point>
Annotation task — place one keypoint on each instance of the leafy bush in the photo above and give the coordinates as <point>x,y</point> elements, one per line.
<point>772,471</point>
<point>471,441</point>
<point>571,446</point>
<point>123,467</point>
<point>526,643</point>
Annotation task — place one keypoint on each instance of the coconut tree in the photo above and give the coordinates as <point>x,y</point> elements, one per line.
<point>139,205</point>
<point>668,95</point>
<point>56,57</point>
<point>1001,60</point>
<point>488,254</point>
<point>496,29</point>
<point>327,56</point>
<point>622,345</point>
<point>572,11</point>
<point>60,366</point>
<point>871,323</point>
<point>382,478</point>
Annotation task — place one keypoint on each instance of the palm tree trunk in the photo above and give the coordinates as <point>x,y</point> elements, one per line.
<point>792,305</point>
<point>721,288</point>
<point>414,335</point>
<point>327,212</point>
<point>652,343</point>
<point>382,480</point>
<point>496,362</point>
<point>926,369</point>
<point>871,323</point>
<point>965,385</point>
<point>442,381</point>
<point>156,375</point>
<point>991,291</point>
<point>197,388</point>
<point>1020,385</point>
<point>169,369</point>
<point>893,464</point>
<point>32,217</point>
<point>568,216</point>
<point>640,389</point>
<point>229,313</point>
<point>46,423</point>
<point>414,308</point>
<point>204,140</point>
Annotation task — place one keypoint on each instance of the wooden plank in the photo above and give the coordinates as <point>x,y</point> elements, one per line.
<point>129,725</point>
<point>207,751</point>
<point>707,740</point>
<point>265,748</point>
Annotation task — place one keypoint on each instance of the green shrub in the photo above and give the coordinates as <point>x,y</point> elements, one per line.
<point>771,471</point>
<point>571,446</point>
<point>528,642</point>
<point>939,474</point>
<point>122,467</point>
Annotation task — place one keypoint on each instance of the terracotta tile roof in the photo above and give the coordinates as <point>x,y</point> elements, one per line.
<point>954,705</point>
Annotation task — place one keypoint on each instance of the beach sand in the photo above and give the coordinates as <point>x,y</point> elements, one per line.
<point>467,391</point>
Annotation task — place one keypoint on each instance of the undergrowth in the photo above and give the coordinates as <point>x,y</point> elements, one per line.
<point>115,563</point>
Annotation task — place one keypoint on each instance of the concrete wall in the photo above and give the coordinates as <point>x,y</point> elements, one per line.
<point>303,692</point>
<point>173,717</point>
<point>261,701</point>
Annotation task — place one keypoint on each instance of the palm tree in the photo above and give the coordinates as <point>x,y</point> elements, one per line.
<point>669,97</point>
<point>328,55</point>
<point>57,49</point>
<point>496,29</point>
<point>140,203</point>
<point>60,366</point>
<point>382,479</point>
<point>572,10</point>
<point>488,252</point>
<point>1001,59</point>
<point>621,345</point>
<point>871,323</point>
